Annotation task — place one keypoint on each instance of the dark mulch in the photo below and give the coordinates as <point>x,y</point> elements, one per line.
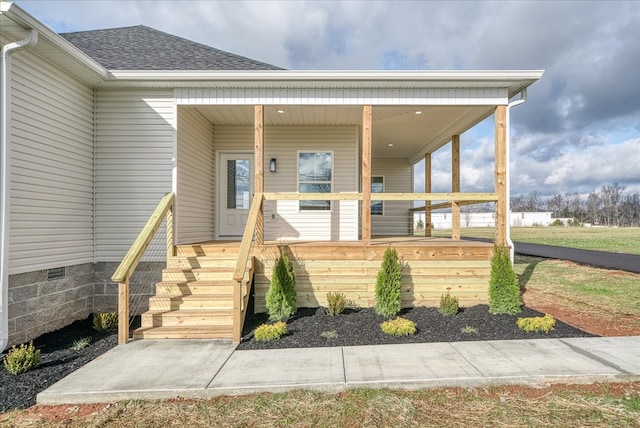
<point>57,360</point>
<point>361,327</point>
<point>354,327</point>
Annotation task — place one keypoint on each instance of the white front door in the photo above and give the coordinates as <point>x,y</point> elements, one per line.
<point>235,191</point>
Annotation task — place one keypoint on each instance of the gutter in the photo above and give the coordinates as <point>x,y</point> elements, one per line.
<point>523,98</point>
<point>5,177</point>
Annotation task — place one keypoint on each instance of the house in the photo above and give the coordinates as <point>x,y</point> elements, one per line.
<point>104,132</point>
<point>443,220</point>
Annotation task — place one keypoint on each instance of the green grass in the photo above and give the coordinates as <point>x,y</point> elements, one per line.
<point>619,240</point>
<point>614,292</point>
<point>598,405</point>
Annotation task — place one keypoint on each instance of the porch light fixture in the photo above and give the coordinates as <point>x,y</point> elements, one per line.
<point>272,165</point>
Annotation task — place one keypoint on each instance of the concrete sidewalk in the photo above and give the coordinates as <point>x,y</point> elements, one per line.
<point>165,369</point>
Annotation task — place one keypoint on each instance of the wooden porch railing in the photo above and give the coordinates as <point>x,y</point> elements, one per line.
<point>122,275</point>
<point>453,199</point>
<point>244,269</point>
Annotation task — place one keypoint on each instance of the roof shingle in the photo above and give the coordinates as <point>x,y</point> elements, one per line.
<point>144,48</point>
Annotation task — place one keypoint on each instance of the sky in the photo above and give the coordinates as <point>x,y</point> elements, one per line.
<point>578,130</point>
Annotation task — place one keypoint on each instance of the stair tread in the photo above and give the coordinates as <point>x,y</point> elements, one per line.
<point>183,327</point>
<point>209,296</point>
<point>190,312</point>
<point>184,332</point>
<point>200,282</point>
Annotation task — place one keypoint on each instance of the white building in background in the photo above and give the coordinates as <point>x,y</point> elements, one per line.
<point>487,219</point>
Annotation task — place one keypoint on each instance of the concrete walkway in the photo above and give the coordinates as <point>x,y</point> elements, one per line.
<point>165,369</point>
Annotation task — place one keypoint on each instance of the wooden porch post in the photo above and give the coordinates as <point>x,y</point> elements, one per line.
<point>258,165</point>
<point>427,189</point>
<point>501,175</point>
<point>366,174</point>
<point>455,187</point>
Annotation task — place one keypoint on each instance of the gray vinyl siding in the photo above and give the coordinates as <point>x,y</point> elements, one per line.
<point>51,167</point>
<point>398,177</point>
<point>135,138</point>
<point>283,220</point>
<point>194,194</point>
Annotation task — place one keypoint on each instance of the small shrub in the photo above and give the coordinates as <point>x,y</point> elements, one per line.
<point>504,292</point>
<point>557,222</point>
<point>467,329</point>
<point>267,332</point>
<point>22,359</point>
<point>449,305</point>
<point>81,343</point>
<point>388,285</point>
<point>537,324</point>
<point>281,297</point>
<point>336,303</point>
<point>331,334</point>
<point>399,327</point>
<point>105,321</point>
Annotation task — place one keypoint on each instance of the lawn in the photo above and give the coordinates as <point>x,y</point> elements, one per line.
<point>599,405</point>
<point>597,293</point>
<point>619,240</point>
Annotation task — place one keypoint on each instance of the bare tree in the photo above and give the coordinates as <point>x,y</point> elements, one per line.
<point>611,196</point>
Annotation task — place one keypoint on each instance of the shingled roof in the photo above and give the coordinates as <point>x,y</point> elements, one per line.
<point>144,48</point>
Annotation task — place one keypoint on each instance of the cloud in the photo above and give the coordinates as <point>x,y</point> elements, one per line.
<point>577,131</point>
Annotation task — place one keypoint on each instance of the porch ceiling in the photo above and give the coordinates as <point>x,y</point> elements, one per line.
<point>411,135</point>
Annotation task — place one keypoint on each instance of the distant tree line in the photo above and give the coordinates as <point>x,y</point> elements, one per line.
<point>609,206</point>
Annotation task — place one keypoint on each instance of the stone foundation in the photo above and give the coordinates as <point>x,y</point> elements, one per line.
<point>38,305</point>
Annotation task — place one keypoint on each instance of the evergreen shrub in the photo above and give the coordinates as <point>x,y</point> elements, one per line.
<point>537,324</point>
<point>22,359</point>
<point>504,292</point>
<point>267,332</point>
<point>388,285</point>
<point>449,305</point>
<point>281,297</point>
<point>336,303</point>
<point>105,321</point>
<point>398,327</point>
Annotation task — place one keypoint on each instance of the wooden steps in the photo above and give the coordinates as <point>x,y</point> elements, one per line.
<point>194,300</point>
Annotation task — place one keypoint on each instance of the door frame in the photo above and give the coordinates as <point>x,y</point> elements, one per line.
<point>220,167</point>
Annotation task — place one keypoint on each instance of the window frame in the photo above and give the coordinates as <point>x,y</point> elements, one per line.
<point>311,209</point>
<point>381,213</point>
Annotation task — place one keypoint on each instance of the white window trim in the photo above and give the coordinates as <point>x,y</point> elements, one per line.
<point>333,169</point>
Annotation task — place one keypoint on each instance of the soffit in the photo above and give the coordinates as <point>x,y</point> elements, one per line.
<point>411,135</point>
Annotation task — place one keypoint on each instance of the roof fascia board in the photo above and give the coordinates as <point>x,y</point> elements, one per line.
<point>356,76</point>
<point>28,22</point>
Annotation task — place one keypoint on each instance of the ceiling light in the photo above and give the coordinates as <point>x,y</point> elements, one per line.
<point>390,144</point>
<point>280,111</point>
<point>418,111</point>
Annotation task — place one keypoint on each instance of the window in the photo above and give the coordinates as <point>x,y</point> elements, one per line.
<point>377,186</point>
<point>315,175</point>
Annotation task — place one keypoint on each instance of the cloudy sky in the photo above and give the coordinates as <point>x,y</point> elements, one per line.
<point>578,130</point>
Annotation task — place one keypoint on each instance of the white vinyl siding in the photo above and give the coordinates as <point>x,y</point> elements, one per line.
<point>135,137</point>
<point>398,177</point>
<point>51,167</point>
<point>283,219</point>
<point>194,194</point>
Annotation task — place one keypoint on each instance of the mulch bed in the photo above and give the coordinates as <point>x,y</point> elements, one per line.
<point>361,327</point>
<point>354,327</point>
